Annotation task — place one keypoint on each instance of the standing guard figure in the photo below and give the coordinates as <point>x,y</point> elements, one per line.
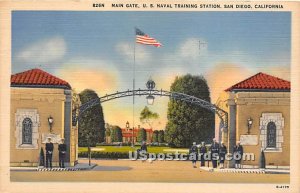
<point>203,151</point>
<point>62,148</point>
<point>223,152</point>
<point>214,149</point>
<point>238,154</point>
<point>193,154</point>
<point>49,153</point>
<point>143,150</point>
<point>144,147</point>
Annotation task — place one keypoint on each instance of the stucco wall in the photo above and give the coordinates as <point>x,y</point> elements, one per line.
<point>46,102</point>
<point>254,104</point>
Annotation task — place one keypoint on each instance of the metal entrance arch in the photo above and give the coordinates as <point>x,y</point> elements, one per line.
<point>150,92</point>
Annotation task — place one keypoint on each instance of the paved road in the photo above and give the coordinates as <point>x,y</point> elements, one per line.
<point>138,171</point>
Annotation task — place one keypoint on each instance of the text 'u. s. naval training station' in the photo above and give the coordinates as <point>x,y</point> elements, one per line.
<point>188,6</point>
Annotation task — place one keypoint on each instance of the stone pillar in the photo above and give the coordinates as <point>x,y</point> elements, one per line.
<point>67,129</point>
<point>231,129</point>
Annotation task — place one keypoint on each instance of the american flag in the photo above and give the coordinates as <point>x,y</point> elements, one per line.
<point>143,38</point>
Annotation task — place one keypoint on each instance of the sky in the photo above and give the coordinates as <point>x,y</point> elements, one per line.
<point>95,50</point>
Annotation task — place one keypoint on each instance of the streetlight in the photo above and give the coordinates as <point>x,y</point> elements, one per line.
<point>150,85</point>
<point>50,121</point>
<point>127,126</point>
<point>249,124</point>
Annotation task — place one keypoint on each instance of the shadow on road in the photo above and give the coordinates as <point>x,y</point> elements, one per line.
<point>111,168</point>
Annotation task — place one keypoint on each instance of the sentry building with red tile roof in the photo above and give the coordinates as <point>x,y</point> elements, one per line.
<point>37,96</point>
<point>261,82</point>
<point>258,111</point>
<point>38,78</point>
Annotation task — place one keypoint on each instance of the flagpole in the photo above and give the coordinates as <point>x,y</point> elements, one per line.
<point>133,86</point>
<point>142,38</point>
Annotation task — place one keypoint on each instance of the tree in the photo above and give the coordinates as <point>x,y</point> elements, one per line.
<point>161,136</point>
<point>91,128</point>
<point>116,134</point>
<point>148,117</point>
<point>155,136</point>
<point>188,123</point>
<point>142,135</point>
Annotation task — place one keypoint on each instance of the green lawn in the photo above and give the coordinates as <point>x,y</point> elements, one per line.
<point>126,149</point>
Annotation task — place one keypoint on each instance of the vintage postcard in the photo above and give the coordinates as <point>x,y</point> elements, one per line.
<point>141,96</point>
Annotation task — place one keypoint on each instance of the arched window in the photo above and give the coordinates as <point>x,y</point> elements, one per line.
<point>27,131</point>
<point>271,135</point>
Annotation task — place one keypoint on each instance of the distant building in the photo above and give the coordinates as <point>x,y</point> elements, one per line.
<point>35,97</point>
<point>128,133</point>
<point>264,101</point>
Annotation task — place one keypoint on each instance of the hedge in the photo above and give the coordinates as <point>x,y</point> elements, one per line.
<point>111,155</point>
<point>117,144</point>
<point>107,155</point>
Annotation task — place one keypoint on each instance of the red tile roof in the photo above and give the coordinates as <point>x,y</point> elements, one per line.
<point>37,78</point>
<point>261,82</point>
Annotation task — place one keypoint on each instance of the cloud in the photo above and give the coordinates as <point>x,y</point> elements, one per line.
<point>126,50</point>
<point>166,77</point>
<point>191,56</point>
<point>43,51</point>
<point>103,77</point>
<point>219,77</point>
<point>188,57</point>
<point>224,75</point>
<point>192,49</point>
<point>98,75</point>
<point>283,72</point>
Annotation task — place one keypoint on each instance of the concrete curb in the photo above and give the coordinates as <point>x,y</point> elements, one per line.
<point>57,169</point>
<point>247,171</point>
<point>67,169</point>
<point>242,171</point>
<point>76,168</point>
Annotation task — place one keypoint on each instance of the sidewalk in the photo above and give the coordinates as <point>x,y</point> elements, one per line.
<point>249,170</point>
<point>77,167</point>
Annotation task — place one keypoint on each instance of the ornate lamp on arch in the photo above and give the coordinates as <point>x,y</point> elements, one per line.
<point>150,86</point>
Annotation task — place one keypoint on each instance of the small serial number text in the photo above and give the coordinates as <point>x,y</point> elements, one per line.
<point>282,186</point>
